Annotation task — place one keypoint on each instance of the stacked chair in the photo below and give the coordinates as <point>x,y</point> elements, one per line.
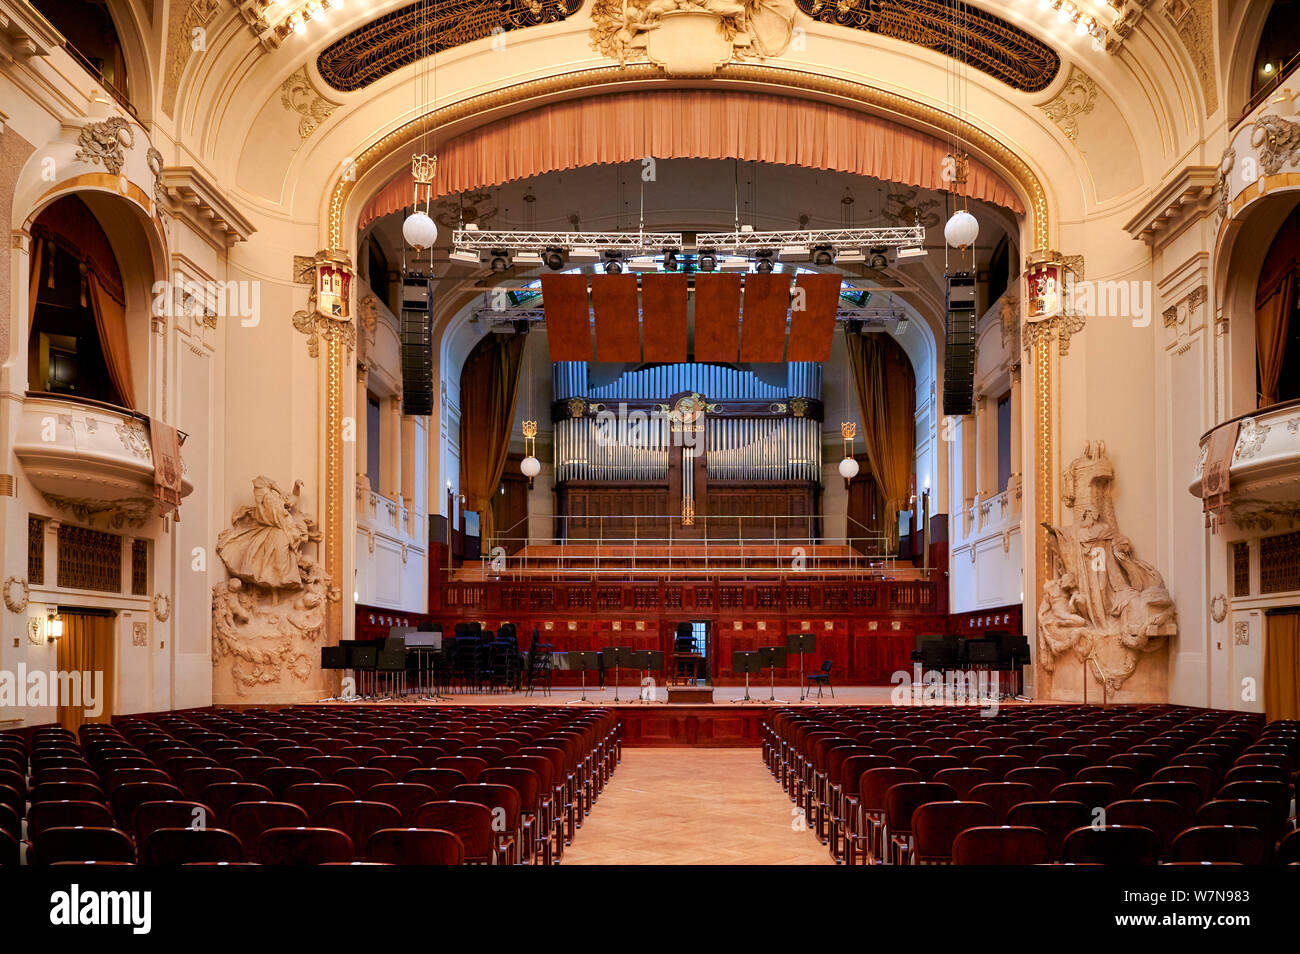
<point>308,785</point>
<point>1038,783</point>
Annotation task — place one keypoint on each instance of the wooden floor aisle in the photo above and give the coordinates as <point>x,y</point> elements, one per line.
<point>693,807</point>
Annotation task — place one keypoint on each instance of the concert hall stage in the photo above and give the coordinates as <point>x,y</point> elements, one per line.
<point>726,723</point>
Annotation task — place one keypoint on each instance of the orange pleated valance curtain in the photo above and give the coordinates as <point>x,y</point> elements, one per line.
<point>690,124</point>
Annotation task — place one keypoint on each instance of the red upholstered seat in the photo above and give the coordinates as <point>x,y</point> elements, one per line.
<point>1000,845</point>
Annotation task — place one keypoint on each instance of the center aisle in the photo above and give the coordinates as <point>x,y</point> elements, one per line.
<point>694,807</point>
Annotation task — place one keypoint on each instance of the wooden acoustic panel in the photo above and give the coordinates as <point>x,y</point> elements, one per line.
<point>762,328</point>
<point>618,326</point>
<point>568,319</point>
<point>663,317</point>
<point>813,326</point>
<point>717,317</point>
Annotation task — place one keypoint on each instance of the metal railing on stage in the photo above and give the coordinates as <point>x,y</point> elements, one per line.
<point>655,544</point>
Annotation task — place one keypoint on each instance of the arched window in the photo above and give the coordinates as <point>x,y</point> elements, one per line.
<point>78,342</point>
<point>1277,318</point>
<point>92,37</point>
<point>1278,46</point>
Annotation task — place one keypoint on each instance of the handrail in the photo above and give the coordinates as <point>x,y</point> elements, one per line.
<point>1262,94</point>
<point>102,405</point>
<point>1257,412</point>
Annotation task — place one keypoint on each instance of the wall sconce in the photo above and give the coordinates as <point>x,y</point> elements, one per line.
<point>53,627</point>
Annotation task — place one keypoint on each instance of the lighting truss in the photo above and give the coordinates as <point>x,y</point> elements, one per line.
<point>485,241</point>
<point>834,238</point>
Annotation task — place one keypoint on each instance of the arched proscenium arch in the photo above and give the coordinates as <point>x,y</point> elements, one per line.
<point>340,212</point>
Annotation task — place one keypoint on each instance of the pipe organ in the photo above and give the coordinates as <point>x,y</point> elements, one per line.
<point>716,451</point>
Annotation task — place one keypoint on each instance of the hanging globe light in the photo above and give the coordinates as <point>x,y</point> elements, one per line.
<point>848,468</point>
<point>420,231</point>
<point>530,466</point>
<point>962,230</point>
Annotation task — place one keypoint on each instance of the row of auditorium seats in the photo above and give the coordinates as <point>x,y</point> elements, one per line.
<point>1041,784</point>
<point>307,785</point>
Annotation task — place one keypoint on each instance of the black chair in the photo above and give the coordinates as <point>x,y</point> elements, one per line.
<point>822,678</point>
<point>541,661</point>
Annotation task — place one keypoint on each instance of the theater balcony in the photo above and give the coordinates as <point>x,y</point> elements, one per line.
<point>90,460</point>
<point>1262,451</point>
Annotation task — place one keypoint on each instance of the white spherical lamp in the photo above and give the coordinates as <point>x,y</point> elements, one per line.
<point>962,230</point>
<point>530,466</point>
<point>420,231</point>
<point>848,468</point>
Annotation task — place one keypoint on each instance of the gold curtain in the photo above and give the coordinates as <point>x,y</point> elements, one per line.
<point>87,646</point>
<point>110,321</point>
<point>34,281</point>
<point>1272,321</point>
<point>489,385</point>
<point>1282,666</point>
<point>886,388</point>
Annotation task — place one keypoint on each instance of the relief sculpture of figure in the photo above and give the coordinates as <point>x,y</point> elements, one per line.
<point>269,613</point>
<point>264,541</point>
<point>1104,603</point>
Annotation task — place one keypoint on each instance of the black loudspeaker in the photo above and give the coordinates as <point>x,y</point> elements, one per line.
<point>959,346</point>
<point>333,657</point>
<point>417,346</point>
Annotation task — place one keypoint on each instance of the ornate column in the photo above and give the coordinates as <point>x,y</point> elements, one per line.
<point>327,322</point>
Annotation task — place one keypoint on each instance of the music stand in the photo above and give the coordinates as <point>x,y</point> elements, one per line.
<point>772,658</point>
<point>582,660</point>
<point>336,658</point>
<point>648,660</point>
<point>799,644</point>
<point>362,658</point>
<point>748,662</point>
<point>620,656</point>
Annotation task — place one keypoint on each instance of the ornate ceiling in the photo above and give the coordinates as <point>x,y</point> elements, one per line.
<point>984,41</point>
<point>396,39</point>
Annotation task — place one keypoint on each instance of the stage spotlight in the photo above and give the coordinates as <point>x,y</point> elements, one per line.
<point>553,259</point>
<point>764,264</point>
<point>855,326</point>
<point>707,261</point>
<point>521,326</point>
<point>878,259</point>
<point>823,255</point>
<point>670,260</point>
<point>612,264</point>
<point>500,260</point>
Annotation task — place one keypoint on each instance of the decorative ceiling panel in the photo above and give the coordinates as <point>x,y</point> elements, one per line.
<point>399,38</point>
<point>986,42</point>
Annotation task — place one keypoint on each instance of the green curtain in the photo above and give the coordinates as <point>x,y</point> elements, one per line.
<point>886,387</point>
<point>489,385</point>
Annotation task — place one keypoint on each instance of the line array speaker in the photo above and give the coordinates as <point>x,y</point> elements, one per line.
<point>417,346</point>
<point>959,346</point>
